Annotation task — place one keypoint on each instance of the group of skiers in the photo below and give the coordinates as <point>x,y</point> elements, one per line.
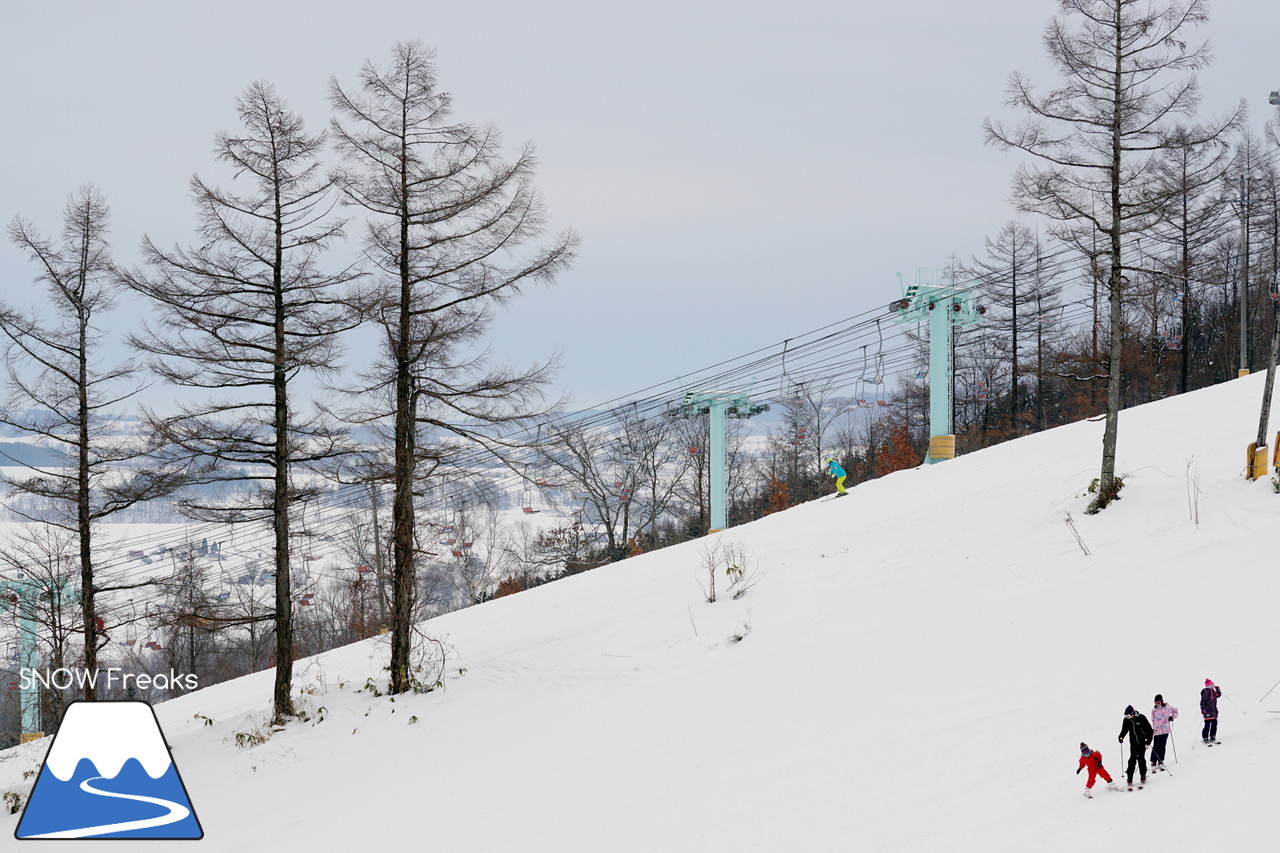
<point>1154,733</point>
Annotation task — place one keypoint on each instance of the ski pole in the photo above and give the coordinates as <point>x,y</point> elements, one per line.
<point>1175,746</point>
<point>1268,693</point>
<point>1233,702</point>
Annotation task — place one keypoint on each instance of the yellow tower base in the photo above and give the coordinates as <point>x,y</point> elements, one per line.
<point>1243,371</point>
<point>1256,461</point>
<point>942,447</point>
<point>27,737</point>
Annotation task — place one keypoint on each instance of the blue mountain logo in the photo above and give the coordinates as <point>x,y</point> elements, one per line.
<point>109,774</point>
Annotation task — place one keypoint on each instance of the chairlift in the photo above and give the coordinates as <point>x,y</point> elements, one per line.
<point>307,599</point>
<point>526,502</point>
<point>694,449</point>
<point>363,570</point>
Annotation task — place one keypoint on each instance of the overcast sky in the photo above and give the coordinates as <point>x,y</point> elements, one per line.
<point>740,172</point>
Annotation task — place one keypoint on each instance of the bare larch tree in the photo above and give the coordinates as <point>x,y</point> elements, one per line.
<point>448,218</point>
<point>62,394</point>
<point>247,313</point>
<point>1095,138</point>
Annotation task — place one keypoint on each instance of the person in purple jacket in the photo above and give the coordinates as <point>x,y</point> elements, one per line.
<point>1161,716</point>
<point>1209,710</point>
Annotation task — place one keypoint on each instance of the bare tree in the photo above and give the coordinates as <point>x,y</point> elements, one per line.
<point>1019,292</point>
<point>246,313</point>
<point>1095,138</point>
<point>446,218</point>
<point>1192,177</point>
<point>62,394</point>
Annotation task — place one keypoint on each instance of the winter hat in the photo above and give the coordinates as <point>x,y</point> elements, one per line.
<point>1128,711</point>
<point>1159,698</point>
<point>1084,748</point>
<point>1208,683</point>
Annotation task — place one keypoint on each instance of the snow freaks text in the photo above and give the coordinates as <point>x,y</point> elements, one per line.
<point>66,678</point>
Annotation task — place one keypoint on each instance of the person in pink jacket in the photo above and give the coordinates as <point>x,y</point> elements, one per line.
<point>1161,716</point>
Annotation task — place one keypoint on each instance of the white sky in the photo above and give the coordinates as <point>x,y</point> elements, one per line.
<point>740,172</point>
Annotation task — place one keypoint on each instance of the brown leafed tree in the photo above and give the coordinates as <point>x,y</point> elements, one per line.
<point>896,452</point>
<point>62,393</point>
<point>448,222</point>
<point>244,315</point>
<point>1126,68</point>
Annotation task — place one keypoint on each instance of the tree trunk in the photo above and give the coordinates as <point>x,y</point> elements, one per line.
<point>282,691</point>
<point>402,521</point>
<point>83,520</point>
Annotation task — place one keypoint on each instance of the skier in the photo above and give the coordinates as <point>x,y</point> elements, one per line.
<point>1161,716</point>
<point>1092,760</point>
<point>1209,710</point>
<point>1138,730</point>
<point>834,470</point>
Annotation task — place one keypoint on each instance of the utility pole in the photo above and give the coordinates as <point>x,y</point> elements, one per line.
<point>1244,277</point>
<point>1257,461</point>
<point>943,307</point>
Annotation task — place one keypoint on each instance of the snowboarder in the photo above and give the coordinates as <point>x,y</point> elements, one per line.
<point>834,470</point>
<point>1138,729</point>
<point>1161,716</point>
<point>1092,761</point>
<point>1209,710</point>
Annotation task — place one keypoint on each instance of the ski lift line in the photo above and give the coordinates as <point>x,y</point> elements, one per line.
<point>1071,255</point>
<point>358,501</point>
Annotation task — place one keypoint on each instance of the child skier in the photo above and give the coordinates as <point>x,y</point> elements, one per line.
<point>834,470</point>
<point>1161,716</point>
<point>1209,710</point>
<point>1092,761</point>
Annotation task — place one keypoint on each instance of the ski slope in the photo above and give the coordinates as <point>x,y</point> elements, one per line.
<point>918,663</point>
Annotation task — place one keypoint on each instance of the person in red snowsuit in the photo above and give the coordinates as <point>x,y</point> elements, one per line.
<point>1092,761</point>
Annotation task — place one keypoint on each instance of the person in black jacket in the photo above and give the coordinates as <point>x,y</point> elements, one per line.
<point>1138,729</point>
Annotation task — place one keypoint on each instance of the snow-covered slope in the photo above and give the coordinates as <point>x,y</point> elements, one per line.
<point>912,671</point>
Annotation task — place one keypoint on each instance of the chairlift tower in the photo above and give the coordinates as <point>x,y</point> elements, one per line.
<point>720,405</point>
<point>943,306</point>
<point>21,593</point>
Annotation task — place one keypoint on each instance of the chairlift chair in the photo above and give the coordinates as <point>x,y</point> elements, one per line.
<point>526,502</point>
